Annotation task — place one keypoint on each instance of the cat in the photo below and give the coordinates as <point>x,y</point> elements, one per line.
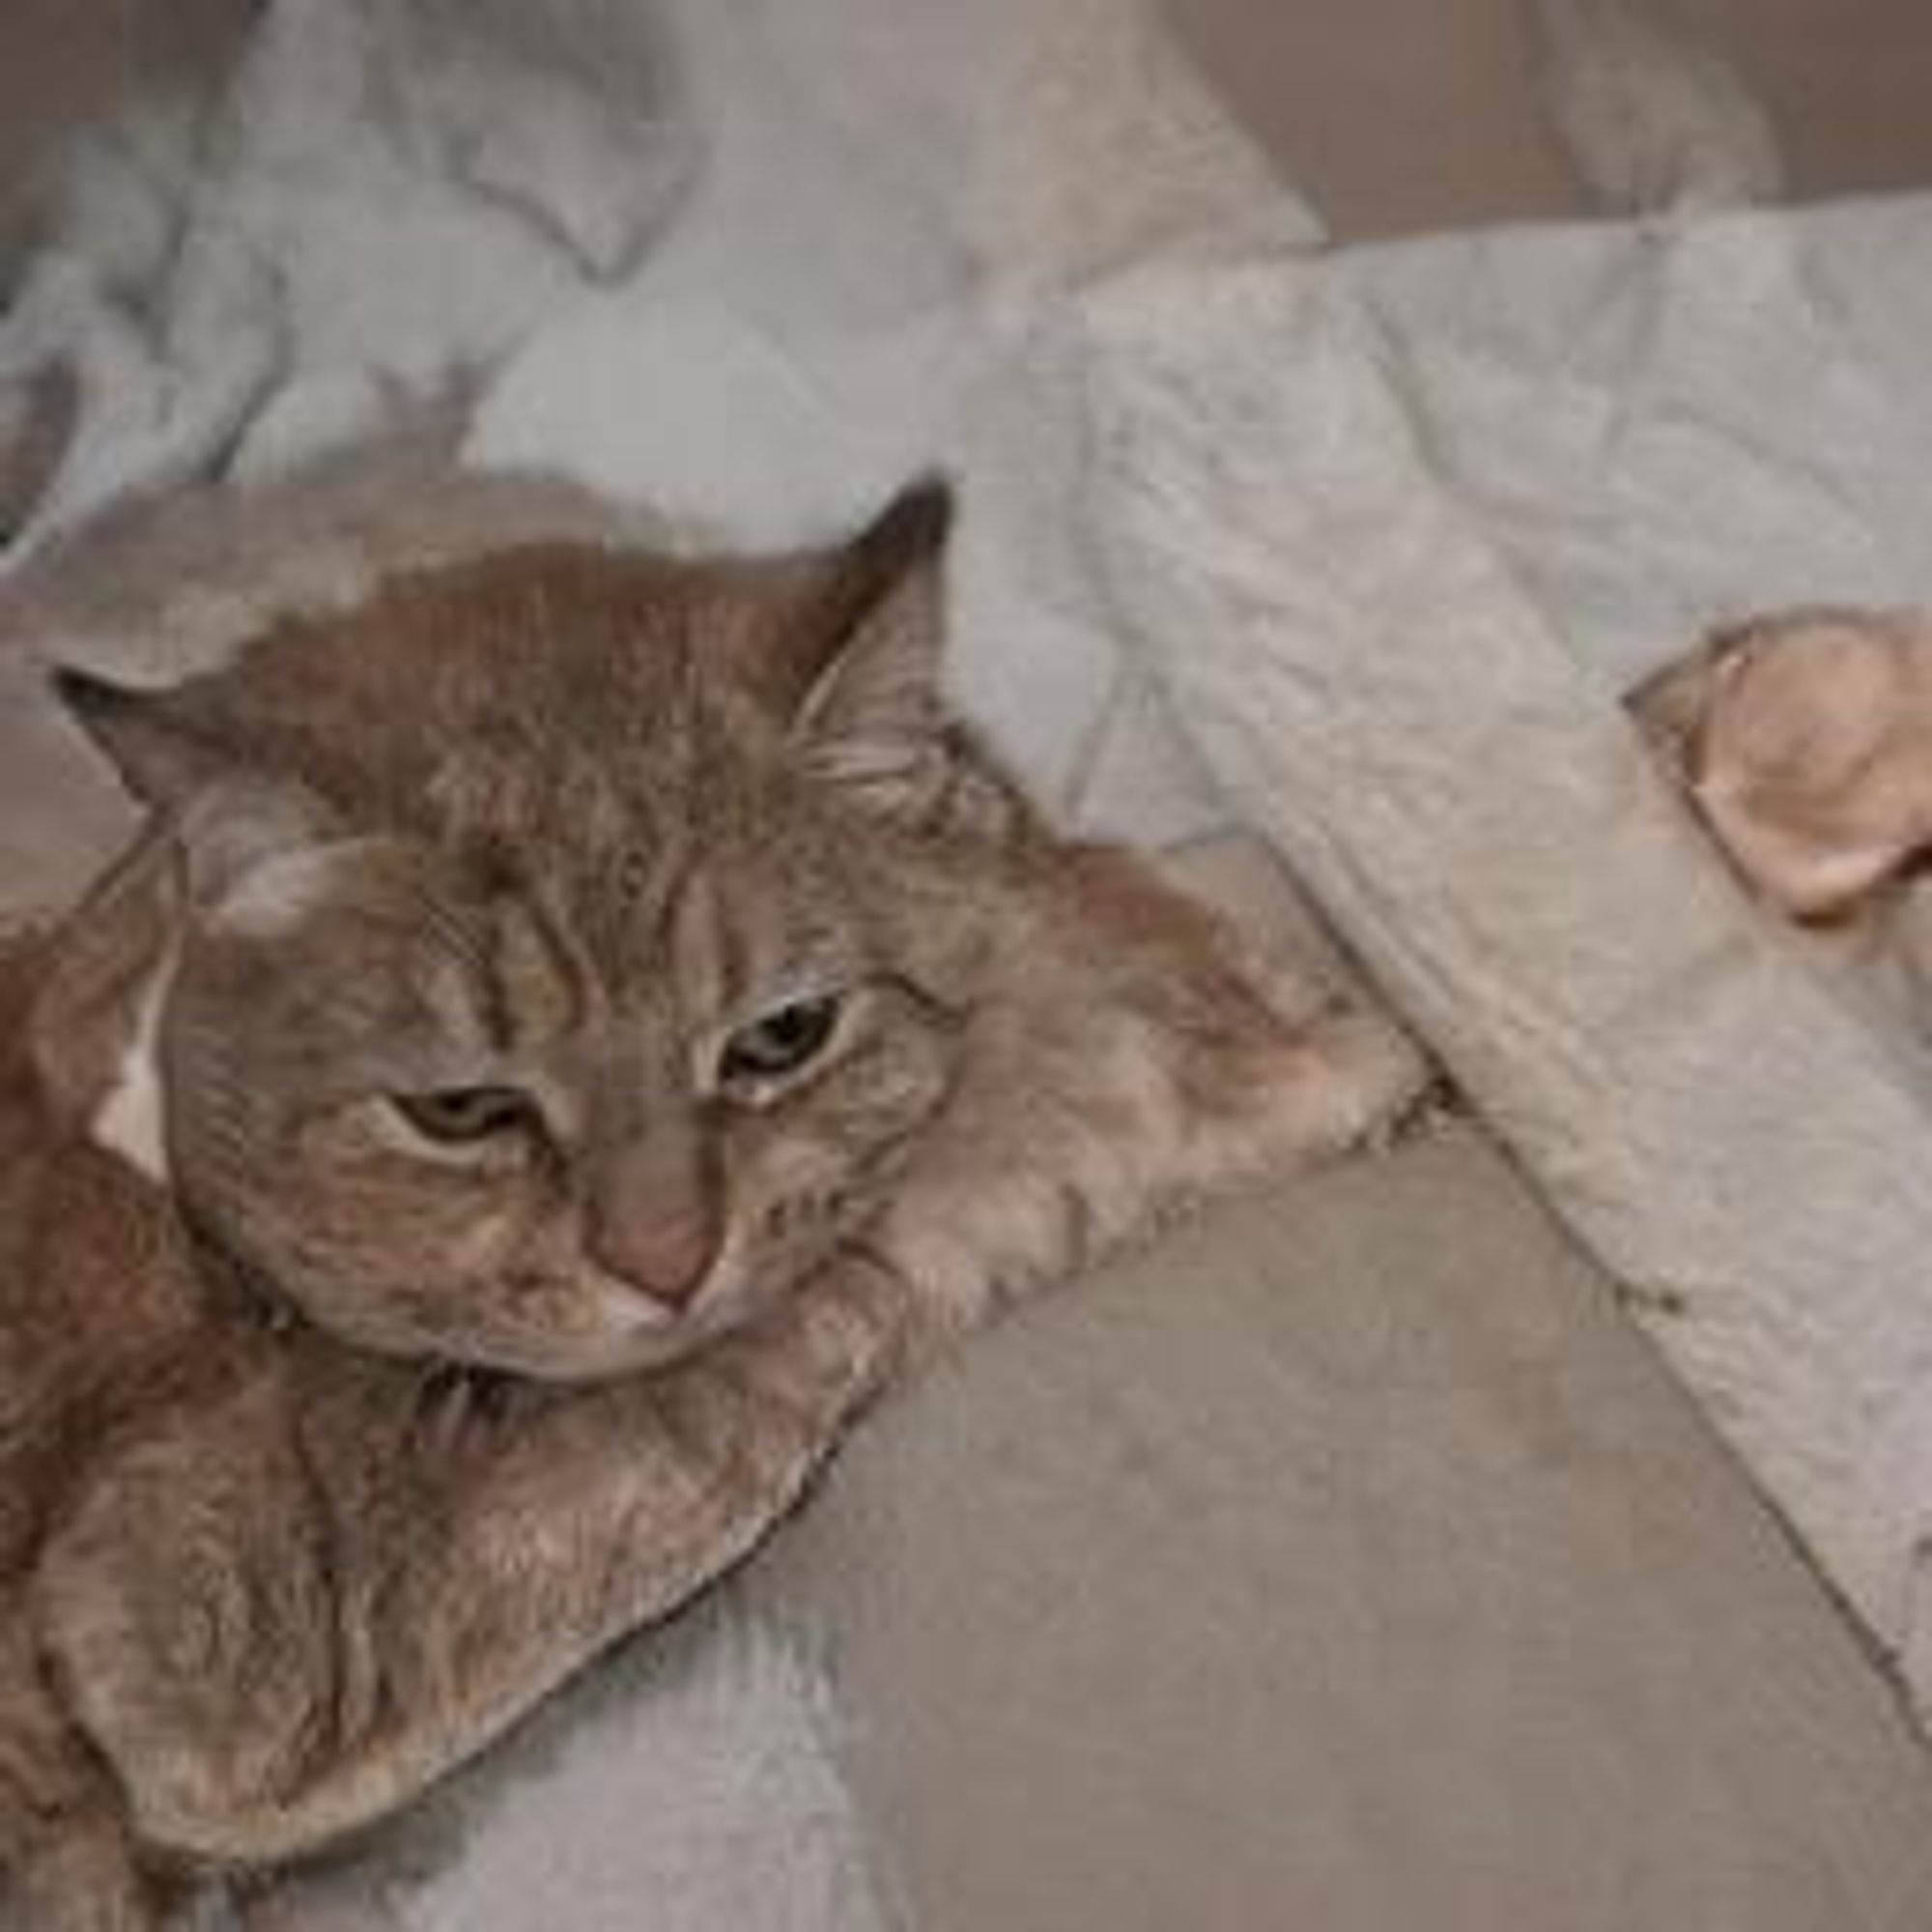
<point>570,1031</point>
<point>1804,739</point>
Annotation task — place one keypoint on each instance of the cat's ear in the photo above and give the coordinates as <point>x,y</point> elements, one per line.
<point>162,742</point>
<point>178,756</point>
<point>868,712</point>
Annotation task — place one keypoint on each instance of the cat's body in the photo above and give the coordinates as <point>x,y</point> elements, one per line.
<point>263,1586</point>
<point>572,1027</point>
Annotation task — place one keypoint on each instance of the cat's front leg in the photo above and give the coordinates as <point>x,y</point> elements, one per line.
<point>285,1620</point>
<point>83,1879</point>
<point>1005,1200</point>
<point>66,1861</point>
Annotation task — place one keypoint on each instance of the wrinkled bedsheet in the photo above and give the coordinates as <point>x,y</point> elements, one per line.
<point>1395,531</point>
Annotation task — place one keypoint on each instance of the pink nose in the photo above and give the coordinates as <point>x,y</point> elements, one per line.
<point>665,1255</point>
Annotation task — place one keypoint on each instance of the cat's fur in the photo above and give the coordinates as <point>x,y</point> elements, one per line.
<point>426,1249</point>
<point>1804,740</point>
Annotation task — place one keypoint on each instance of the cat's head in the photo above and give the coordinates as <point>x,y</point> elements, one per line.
<point>554,958</point>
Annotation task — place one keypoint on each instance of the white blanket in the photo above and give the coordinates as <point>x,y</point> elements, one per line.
<point>1356,547</point>
<point>1395,532</point>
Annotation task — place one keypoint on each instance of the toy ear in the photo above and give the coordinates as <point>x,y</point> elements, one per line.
<point>1671,706</point>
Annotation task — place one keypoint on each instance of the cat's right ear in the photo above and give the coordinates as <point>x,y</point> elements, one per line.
<point>174,753</point>
<point>161,752</point>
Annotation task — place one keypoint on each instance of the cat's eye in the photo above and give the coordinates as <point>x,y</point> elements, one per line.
<point>457,1116</point>
<point>780,1042</point>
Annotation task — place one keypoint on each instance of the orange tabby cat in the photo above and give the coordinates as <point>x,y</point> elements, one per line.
<point>571,1026</point>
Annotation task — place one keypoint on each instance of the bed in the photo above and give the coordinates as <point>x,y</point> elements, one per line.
<point>1525,1527</point>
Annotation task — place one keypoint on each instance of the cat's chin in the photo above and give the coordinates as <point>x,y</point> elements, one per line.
<point>570,1323</point>
<point>630,1334</point>
<point>578,1359</point>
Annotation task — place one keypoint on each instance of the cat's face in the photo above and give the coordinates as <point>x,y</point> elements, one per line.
<point>571,949</point>
<point>441,1111</point>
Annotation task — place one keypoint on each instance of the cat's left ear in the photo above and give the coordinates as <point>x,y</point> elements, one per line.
<point>871,718</point>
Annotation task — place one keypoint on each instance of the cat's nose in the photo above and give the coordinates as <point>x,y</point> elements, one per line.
<point>653,1214</point>
<point>665,1255</point>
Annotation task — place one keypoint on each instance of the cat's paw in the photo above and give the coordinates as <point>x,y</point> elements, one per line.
<point>1353,1080</point>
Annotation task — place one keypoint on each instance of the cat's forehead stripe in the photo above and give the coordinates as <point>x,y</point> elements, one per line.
<point>538,985</point>
<point>695,930</point>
